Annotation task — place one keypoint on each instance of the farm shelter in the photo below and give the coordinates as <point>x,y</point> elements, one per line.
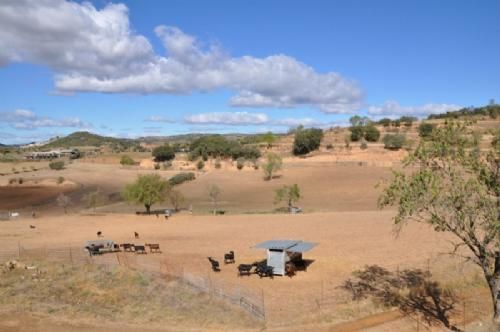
<point>280,252</point>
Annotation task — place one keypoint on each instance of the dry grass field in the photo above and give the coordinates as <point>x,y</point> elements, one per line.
<point>341,215</point>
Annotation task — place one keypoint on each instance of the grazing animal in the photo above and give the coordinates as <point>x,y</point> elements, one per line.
<point>215,264</point>
<point>139,249</point>
<point>245,269</point>
<point>136,235</point>
<point>264,270</point>
<point>153,247</point>
<point>229,257</point>
<point>290,269</point>
<point>32,227</point>
<point>99,234</point>
<point>127,246</point>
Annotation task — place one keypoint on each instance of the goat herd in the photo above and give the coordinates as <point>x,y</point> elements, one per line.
<point>260,268</point>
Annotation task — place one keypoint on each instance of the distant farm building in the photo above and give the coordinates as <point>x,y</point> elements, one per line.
<point>282,252</point>
<point>53,154</point>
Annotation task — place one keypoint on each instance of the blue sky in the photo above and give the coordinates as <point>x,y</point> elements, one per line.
<point>135,68</point>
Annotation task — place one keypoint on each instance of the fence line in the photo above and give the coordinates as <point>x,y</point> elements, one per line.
<point>246,299</point>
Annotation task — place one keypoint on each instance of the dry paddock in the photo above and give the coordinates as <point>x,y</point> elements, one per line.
<point>347,241</point>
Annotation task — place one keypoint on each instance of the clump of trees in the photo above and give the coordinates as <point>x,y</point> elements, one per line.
<point>363,128</point>
<point>57,165</point>
<point>126,160</point>
<point>455,189</point>
<point>218,146</point>
<point>163,153</point>
<point>272,165</point>
<point>394,141</point>
<point>288,194</point>
<point>147,189</point>
<point>491,110</point>
<point>306,140</point>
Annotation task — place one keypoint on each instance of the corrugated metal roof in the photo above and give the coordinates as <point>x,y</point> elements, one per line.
<point>277,244</point>
<point>288,245</point>
<point>302,247</point>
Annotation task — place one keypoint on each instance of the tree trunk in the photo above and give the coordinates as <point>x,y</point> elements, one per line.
<point>494,284</point>
<point>148,208</point>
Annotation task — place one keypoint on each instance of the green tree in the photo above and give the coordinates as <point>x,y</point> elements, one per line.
<point>147,190</point>
<point>357,133</point>
<point>214,194</point>
<point>126,160</point>
<point>371,134</point>
<point>307,140</point>
<point>456,191</point>
<point>425,129</point>
<point>289,194</point>
<point>163,153</point>
<point>394,141</point>
<point>272,165</point>
<point>386,122</point>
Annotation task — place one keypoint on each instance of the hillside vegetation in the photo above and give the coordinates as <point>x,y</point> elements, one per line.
<point>84,138</point>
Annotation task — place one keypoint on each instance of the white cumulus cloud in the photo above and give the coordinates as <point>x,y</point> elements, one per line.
<point>96,50</point>
<point>228,118</point>
<point>26,119</point>
<point>394,109</point>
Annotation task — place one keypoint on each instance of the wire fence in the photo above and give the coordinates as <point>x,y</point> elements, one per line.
<point>250,301</point>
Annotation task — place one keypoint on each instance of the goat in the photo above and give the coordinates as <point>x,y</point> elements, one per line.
<point>245,269</point>
<point>139,249</point>
<point>127,246</point>
<point>136,235</point>
<point>153,247</point>
<point>215,264</point>
<point>32,227</point>
<point>99,234</point>
<point>264,270</point>
<point>229,258</point>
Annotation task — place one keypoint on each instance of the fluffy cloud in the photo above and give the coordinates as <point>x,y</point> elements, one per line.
<point>26,119</point>
<point>156,118</point>
<point>228,118</point>
<point>96,50</point>
<point>394,109</point>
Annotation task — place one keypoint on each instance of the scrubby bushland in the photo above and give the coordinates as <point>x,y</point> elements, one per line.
<point>394,141</point>
<point>56,165</point>
<point>307,140</point>
<point>181,178</point>
<point>163,153</point>
<point>126,160</point>
<point>218,146</point>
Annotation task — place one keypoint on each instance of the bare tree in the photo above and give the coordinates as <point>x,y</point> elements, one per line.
<point>214,193</point>
<point>176,198</point>
<point>64,201</point>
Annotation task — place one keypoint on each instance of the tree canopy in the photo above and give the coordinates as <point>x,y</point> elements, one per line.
<point>455,188</point>
<point>147,190</point>
<point>289,194</point>
<point>272,165</point>
<point>307,140</point>
<point>163,152</point>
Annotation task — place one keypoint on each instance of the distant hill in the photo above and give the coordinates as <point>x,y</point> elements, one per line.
<point>492,111</point>
<point>84,138</point>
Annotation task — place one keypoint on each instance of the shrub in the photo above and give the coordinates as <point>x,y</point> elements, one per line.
<point>394,142</point>
<point>329,146</point>
<point>363,145</point>
<point>425,129</point>
<point>217,163</point>
<point>181,177</point>
<point>200,164</point>
<point>126,160</point>
<point>307,140</point>
<point>56,165</point>
<point>60,180</point>
<point>356,133</point>
<point>163,153</point>
<point>371,134</point>
<point>157,166</point>
<point>20,180</point>
<point>240,163</point>
<point>255,164</point>
<point>408,120</point>
<point>12,180</point>
<point>386,122</point>
<point>273,164</point>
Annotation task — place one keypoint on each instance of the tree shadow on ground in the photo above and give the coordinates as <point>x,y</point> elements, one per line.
<point>412,291</point>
